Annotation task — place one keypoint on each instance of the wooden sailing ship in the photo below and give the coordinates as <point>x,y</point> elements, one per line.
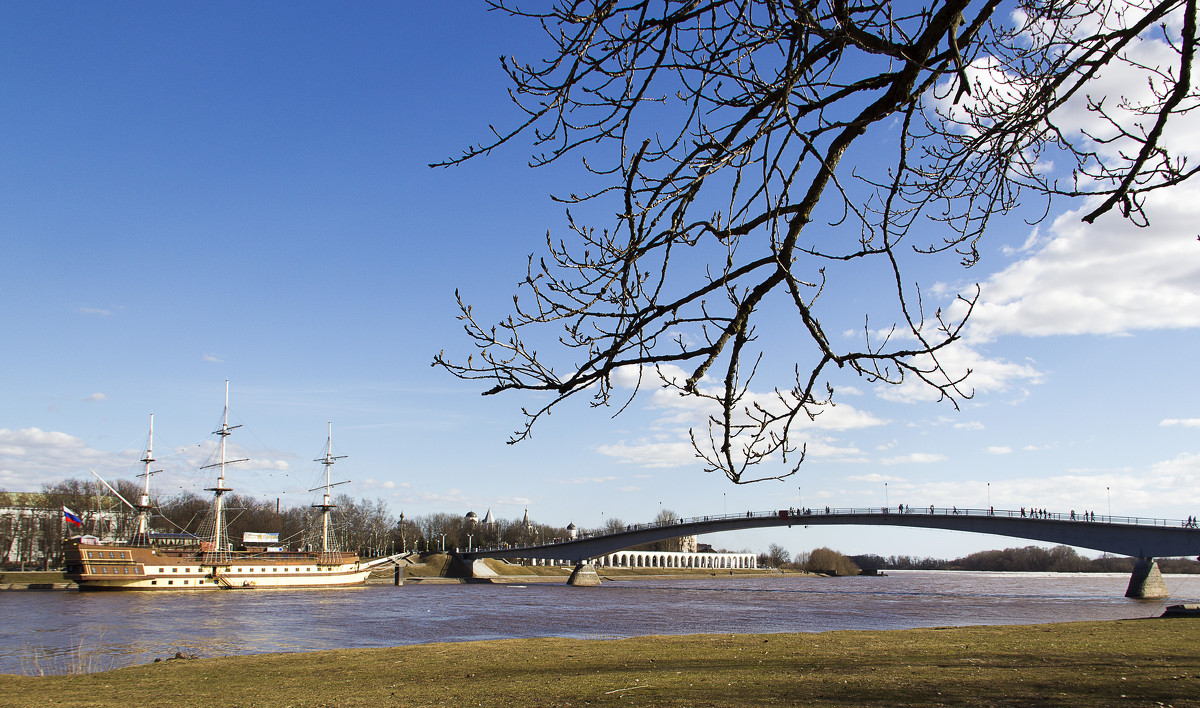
<point>209,561</point>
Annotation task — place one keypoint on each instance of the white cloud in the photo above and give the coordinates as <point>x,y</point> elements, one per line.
<point>213,358</point>
<point>922,458</point>
<point>987,375</point>
<point>680,453</point>
<point>31,457</point>
<point>999,450</point>
<point>208,453</point>
<point>372,483</point>
<point>94,311</point>
<point>1180,475</point>
<point>691,411</point>
<point>874,477</point>
<point>1184,422</point>
<point>95,397</point>
<point>1163,489</point>
<point>588,480</point>
<point>1109,278</point>
<point>651,454</point>
<point>677,414</point>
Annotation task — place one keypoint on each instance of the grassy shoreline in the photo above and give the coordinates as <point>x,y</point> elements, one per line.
<point>1124,662</point>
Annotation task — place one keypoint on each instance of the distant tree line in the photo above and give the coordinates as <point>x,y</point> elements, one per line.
<point>32,527</point>
<point>825,561</point>
<point>1059,559</point>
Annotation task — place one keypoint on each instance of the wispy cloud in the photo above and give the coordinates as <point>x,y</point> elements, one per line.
<point>921,458</point>
<point>999,450</point>
<point>372,483</point>
<point>95,397</point>
<point>651,454</point>
<point>1112,278</point>
<point>30,457</point>
<point>588,480</point>
<point>94,311</point>
<point>1184,422</point>
<point>874,477</point>
<point>213,358</point>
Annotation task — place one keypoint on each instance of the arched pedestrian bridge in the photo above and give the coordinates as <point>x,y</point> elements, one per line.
<point>1139,537</point>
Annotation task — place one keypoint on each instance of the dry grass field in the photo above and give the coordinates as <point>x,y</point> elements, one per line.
<point>1123,663</point>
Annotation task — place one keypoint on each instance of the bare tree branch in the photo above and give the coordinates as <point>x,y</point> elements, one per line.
<point>735,133</point>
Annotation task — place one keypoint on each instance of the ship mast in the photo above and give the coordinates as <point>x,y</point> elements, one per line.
<point>142,535</point>
<point>327,545</point>
<point>219,549</point>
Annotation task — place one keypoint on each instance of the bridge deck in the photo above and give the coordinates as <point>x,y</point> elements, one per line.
<point>1142,537</point>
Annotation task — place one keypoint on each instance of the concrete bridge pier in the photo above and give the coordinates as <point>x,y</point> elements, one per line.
<point>460,567</point>
<point>1147,582</point>
<point>584,575</point>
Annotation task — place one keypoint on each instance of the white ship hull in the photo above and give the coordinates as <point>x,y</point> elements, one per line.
<point>118,567</point>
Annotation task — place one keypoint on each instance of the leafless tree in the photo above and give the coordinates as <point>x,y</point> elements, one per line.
<point>777,556</point>
<point>760,153</point>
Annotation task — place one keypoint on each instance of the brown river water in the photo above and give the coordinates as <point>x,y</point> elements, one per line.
<point>58,631</point>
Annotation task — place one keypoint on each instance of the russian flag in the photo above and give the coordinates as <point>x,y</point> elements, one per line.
<point>71,517</point>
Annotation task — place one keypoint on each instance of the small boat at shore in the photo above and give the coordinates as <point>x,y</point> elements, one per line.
<point>209,561</point>
<point>1186,610</point>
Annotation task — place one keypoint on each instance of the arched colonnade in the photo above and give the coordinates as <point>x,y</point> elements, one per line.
<point>669,559</point>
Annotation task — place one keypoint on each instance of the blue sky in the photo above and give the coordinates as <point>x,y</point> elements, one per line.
<point>193,193</point>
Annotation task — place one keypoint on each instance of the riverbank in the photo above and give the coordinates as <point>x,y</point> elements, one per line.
<point>1127,662</point>
<point>435,571</point>
<point>35,580</point>
<point>435,568</point>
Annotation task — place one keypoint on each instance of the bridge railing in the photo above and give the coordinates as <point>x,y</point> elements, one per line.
<point>799,514</point>
<point>1086,516</point>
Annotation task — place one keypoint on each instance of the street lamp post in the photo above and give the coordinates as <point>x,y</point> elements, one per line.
<point>443,543</point>
<point>469,537</point>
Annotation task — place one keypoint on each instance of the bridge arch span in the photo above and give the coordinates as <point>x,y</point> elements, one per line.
<point>1139,537</point>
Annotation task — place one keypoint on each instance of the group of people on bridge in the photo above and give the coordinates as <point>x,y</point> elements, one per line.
<point>1190,523</point>
<point>1044,514</point>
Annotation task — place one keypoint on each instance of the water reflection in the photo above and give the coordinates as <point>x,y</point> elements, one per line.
<point>53,632</point>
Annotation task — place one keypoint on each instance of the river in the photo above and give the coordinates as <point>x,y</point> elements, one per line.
<point>53,631</point>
